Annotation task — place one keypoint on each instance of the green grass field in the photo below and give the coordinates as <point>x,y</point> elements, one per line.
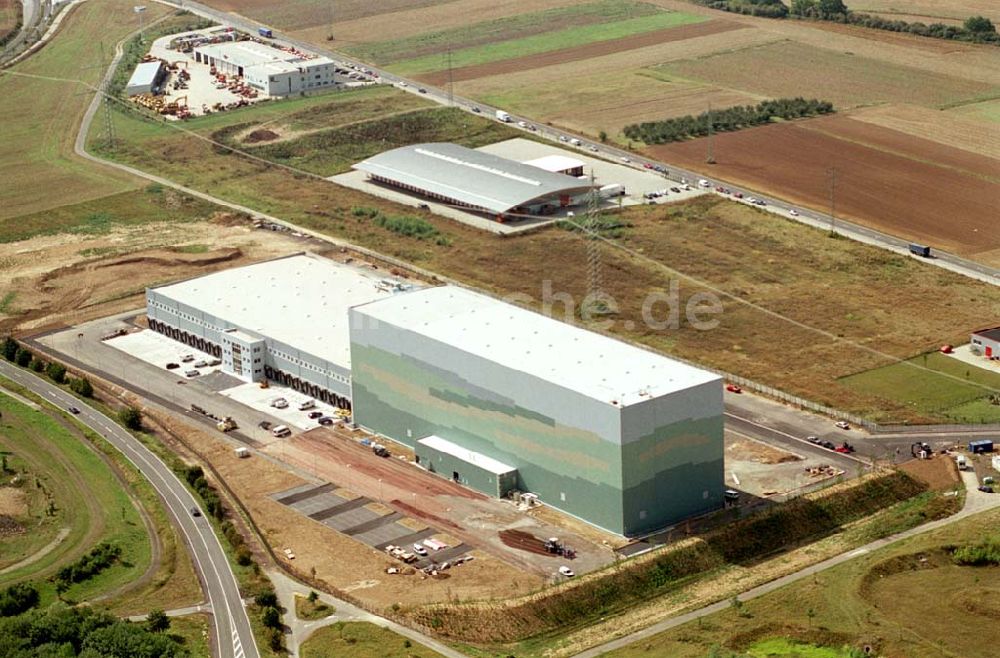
<point>89,500</point>
<point>546,42</point>
<point>501,29</point>
<point>936,385</point>
<point>984,111</point>
<point>361,640</point>
<point>870,600</point>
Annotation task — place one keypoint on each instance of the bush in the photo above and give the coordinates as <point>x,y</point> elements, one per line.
<point>266,599</point>
<point>131,418</point>
<point>97,560</point>
<point>982,554</point>
<point>37,365</point>
<point>10,348</point>
<point>17,599</point>
<point>56,372</point>
<point>82,387</point>
<point>271,617</point>
<point>244,557</point>
<point>22,357</point>
<point>275,639</point>
<point>157,621</point>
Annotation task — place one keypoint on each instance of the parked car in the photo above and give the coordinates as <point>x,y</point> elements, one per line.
<point>733,388</point>
<point>315,414</point>
<point>192,373</point>
<point>828,445</point>
<point>986,489</point>
<point>173,366</point>
<point>419,550</point>
<point>326,420</point>
<point>843,424</point>
<point>200,364</point>
<point>575,142</point>
<point>793,212</point>
<point>187,358</point>
<point>624,159</point>
<point>279,403</point>
<point>476,109</point>
<point>264,425</point>
<point>675,190</point>
<point>647,166</point>
<point>563,138</point>
<point>812,439</point>
<point>593,148</point>
<point>566,571</point>
<point>738,195</point>
<point>422,90</point>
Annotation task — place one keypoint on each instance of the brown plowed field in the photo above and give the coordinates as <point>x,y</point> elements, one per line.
<point>897,183</point>
<point>583,52</point>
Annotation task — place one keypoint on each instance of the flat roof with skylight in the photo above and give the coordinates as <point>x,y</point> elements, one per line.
<point>589,363</point>
<point>301,301</point>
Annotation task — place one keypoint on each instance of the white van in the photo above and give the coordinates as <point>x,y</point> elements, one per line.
<point>307,405</point>
<point>281,431</point>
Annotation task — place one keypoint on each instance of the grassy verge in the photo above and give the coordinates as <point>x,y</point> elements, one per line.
<point>934,384</point>
<point>361,640</point>
<point>546,42</point>
<point>312,610</point>
<point>192,632</point>
<point>88,500</point>
<point>174,583</point>
<point>500,29</point>
<point>867,601</point>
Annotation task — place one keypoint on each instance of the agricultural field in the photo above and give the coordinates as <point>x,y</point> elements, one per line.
<point>868,601</point>
<point>936,385</point>
<point>546,42</point>
<point>886,179</point>
<point>496,30</point>
<point>299,14</point>
<point>949,128</point>
<point>986,111</point>
<point>929,11</point>
<point>845,79</point>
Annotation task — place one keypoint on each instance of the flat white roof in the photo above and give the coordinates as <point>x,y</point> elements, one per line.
<point>591,364</point>
<point>468,456</point>
<point>250,53</point>
<point>301,301</point>
<point>145,74</point>
<point>555,163</point>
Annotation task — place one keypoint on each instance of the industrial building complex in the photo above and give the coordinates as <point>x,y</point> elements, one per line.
<point>487,394</point>
<point>480,181</point>
<point>274,71</point>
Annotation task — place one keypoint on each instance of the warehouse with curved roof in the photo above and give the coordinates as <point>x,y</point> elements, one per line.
<point>473,179</point>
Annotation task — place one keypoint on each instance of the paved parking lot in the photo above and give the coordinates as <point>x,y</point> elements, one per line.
<point>159,350</point>
<point>260,399</point>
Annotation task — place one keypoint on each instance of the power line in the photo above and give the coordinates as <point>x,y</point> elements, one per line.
<point>109,124</point>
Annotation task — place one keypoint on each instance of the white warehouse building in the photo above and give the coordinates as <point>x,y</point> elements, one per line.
<point>271,70</point>
<point>283,320</point>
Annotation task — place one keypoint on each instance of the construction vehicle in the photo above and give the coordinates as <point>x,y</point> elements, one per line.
<point>227,424</point>
<point>921,450</point>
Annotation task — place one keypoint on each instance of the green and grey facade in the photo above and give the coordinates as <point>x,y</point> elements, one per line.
<point>622,438</point>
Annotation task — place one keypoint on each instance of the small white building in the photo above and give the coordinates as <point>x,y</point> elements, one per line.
<point>987,342</point>
<point>146,78</point>
<point>271,70</point>
<point>558,164</point>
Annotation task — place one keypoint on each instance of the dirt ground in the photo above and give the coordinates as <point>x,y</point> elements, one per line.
<point>318,547</point>
<point>12,502</point>
<point>471,517</point>
<point>756,451</point>
<point>940,473</point>
<point>99,275</point>
<point>584,52</point>
<point>886,179</point>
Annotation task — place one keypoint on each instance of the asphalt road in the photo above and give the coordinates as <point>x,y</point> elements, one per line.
<point>233,635</point>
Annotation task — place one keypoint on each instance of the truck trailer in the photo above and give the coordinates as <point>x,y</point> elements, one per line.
<point>503,116</point>
<point>265,32</point>
<point>920,250</point>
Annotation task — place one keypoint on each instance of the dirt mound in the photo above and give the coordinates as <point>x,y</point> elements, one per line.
<point>170,258</point>
<point>12,502</point>
<point>261,135</point>
<point>524,541</point>
<point>939,473</point>
<point>9,527</point>
<point>981,601</point>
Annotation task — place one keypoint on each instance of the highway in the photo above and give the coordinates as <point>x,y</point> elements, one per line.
<point>233,635</point>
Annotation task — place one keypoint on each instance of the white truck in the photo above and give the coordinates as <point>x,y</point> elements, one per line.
<point>611,190</point>
<point>503,116</point>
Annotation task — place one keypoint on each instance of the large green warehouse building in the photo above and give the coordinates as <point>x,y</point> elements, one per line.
<point>499,398</point>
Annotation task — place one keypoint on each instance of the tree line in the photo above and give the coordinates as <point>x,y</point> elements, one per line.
<point>725,120</point>
<point>94,562</point>
<point>975,29</point>
<point>22,356</point>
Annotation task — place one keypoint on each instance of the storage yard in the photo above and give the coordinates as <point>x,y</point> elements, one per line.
<point>219,68</point>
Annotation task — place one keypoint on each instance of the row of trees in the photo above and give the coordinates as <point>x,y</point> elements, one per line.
<point>62,631</point>
<point>22,356</point>
<point>97,560</point>
<point>977,29</point>
<point>766,8</point>
<point>724,120</point>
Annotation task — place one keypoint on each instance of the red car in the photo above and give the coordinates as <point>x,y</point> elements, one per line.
<point>648,166</point>
<point>738,195</point>
<point>733,388</point>
<point>947,349</point>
